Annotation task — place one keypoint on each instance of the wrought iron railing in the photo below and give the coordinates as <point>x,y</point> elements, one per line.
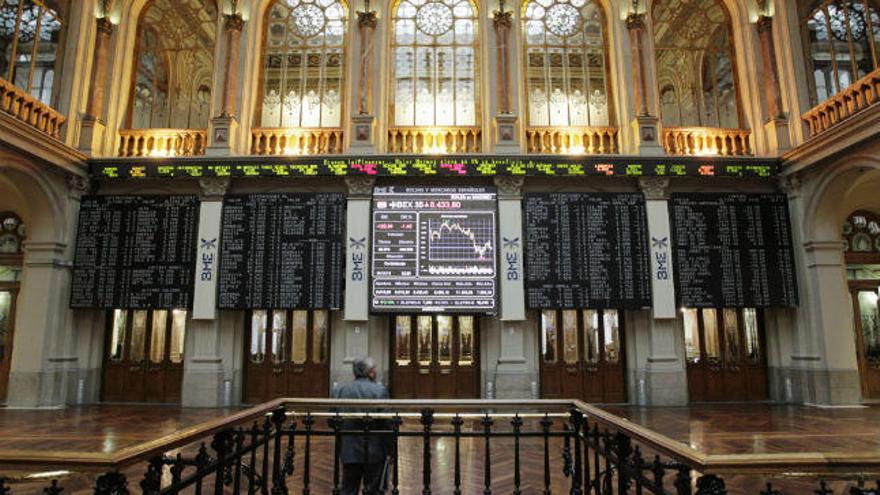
<point>293,446</point>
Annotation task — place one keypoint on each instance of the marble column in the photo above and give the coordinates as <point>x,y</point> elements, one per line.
<point>645,126</point>
<point>364,123</point>
<point>92,126</point>
<point>776,125</point>
<point>221,139</point>
<point>505,120</point>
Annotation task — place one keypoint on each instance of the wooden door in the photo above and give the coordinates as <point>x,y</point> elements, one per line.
<point>867,327</point>
<point>288,355</point>
<point>725,357</point>
<point>143,361</point>
<point>8,296</point>
<point>582,355</point>
<point>435,356</point>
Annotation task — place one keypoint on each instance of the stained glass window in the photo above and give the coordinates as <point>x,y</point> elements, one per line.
<point>30,39</point>
<point>693,46</point>
<point>175,65</point>
<point>303,75</point>
<point>842,43</point>
<point>566,78</point>
<point>435,63</point>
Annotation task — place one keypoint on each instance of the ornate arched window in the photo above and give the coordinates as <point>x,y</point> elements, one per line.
<point>174,65</point>
<point>842,40</point>
<point>303,80</point>
<point>566,76</point>
<point>30,42</point>
<point>435,63</point>
<point>696,73</point>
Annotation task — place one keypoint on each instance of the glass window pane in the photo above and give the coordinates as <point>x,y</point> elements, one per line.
<point>444,340</point>
<point>319,336</point>
<point>731,336</point>
<point>548,335</point>
<point>423,350</point>
<point>279,332</point>
<point>591,336</point>
<point>710,334</point>
<point>402,332</point>
<point>465,340</point>
<point>178,335</point>
<point>691,335</point>
<point>569,336</point>
<point>612,336</point>
<point>117,337</point>
<point>750,326</point>
<point>869,314</point>
<point>157,336</point>
<point>300,334</point>
<point>138,336</point>
<point>259,322</point>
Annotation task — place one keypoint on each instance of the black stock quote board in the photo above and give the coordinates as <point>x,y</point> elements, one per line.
<point>586,250</point>
<point>135,252</point>
<point>282,251</point>
<point>434,249</point>
<point>733,250</point>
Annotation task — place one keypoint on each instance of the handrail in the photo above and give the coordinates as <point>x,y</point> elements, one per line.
<point>841,106</point>
<point>30,110</point>
<point>800,462</point>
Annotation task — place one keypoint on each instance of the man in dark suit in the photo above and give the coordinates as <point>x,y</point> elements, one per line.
<point>363,456</point>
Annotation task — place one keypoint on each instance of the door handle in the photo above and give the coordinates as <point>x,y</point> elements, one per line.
<point>445,371</point>
<point>424,371</point>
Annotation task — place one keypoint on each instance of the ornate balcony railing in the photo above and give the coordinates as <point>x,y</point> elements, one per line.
<point>300,141</point>
<point>858,96</point>
<point>435,140</point>
<point>706,141</point>
<point>162,142</point>
<point>546,446</point>
<point>572,140</point>
<point>24,107</point>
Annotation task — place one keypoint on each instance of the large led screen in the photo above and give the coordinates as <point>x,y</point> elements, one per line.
<point>434,250</point>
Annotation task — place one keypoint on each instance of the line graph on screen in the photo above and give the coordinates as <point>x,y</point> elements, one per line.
<point>461,239</point>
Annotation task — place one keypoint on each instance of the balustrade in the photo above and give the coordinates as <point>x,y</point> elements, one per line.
<point>572,140</point>
<point>858,96</point>
<point>24,107</point>
<point>706,141</point>
<point>302,141</point>
<point>435,140</point>
<point>162,142</point>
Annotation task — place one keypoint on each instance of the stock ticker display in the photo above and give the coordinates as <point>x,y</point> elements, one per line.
<point>434,249</point>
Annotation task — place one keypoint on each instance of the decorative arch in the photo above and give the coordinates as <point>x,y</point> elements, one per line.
<point>174,65</point>
<point>695,56</point>
<point>435,63</point>
<point>844,188</point>
<point>841,43</point>
<point>566,63</point>
<point>302,79</point>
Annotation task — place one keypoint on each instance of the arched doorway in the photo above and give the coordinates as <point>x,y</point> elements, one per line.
<point>12,235</point>
<point>861,235</point>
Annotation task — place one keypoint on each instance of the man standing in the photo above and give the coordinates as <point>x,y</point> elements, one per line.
<point>363,456</point>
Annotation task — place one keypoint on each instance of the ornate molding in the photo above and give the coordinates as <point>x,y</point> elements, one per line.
<point>368,19</point>
<point>654,187</point>
<point>764,24</point>
<point>635,21</point>
<point>214,187</point>
<point>502,19</point>
<point>234,22</point>
<point>105,26</point>
<point>790,184</point>
<point>360,185</point>
<point>509,185</point>
<point>78,186</point>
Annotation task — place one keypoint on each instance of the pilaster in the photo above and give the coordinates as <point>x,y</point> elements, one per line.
<point>776,125</point>
<point>92,126</point>
<point>645,126</point>
<point>222,129</point>
<point>363,124</point>
<point>506,135</point>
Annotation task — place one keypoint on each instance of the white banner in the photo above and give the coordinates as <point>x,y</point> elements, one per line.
<point>357,260</point>
<point>662,285</point>
<point>510,260</point>
<point>207,261</point>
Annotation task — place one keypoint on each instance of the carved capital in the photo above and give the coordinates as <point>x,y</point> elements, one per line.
<point>214,187</point>
<point>654,187</point>
<point>764,24</point>
<point>502,20</point>
<point>509,185</point>
<point>360,185</point>
<point>635,21</point>
<point>790,184</point>
<point>368,20</point>
<point>78,186</point>
<point>105,26</point>
<point>234,22</point>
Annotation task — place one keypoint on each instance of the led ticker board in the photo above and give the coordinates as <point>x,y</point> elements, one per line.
<point>441,166</point>
<point>434,249</point>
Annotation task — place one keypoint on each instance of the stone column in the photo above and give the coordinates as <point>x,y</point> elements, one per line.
<point>364,123</point>
<point>776,125</point>
<point>646,129</point>
<point>659,377</point>
<point>222,133</point>
<point>92,130</point>
<point>505,120</point>
<point>204,369</point>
